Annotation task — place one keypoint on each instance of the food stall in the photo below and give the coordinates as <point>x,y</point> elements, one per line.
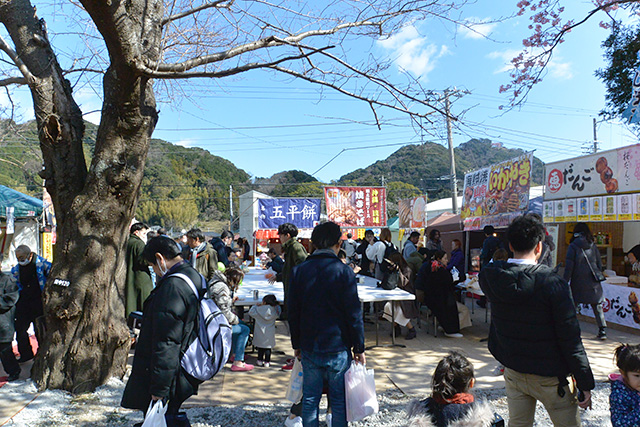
<point>602,190</point>
<point>494,195</point>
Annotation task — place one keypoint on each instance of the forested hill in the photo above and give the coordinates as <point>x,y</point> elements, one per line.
<point>181,186</point>
<point>426,166</point>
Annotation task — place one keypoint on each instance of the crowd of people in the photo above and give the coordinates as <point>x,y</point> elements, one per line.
<point>534,334</point>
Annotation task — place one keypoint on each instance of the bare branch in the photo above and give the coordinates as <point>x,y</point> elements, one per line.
<point>17,61</point>
<point>267,42</point>
<point>217,4</point>
<point>13,81</point>
<point>349,93</point>
<point>229,72</point>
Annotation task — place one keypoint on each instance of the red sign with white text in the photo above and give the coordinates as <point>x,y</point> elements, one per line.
<point>357,206</point>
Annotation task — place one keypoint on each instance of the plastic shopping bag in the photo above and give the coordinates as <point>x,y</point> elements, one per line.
<point>360,392</point>
<point>155,415</point>
<point>294,391</point>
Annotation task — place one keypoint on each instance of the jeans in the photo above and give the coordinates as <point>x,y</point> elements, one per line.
<point>239,338</point>
<point>264,354</point>
<point>318,367</point>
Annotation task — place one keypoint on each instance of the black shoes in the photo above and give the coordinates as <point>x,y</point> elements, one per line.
<point>411,334</point>
<point>15,376</point>
<point>602,334</point>
<point>398,329</point>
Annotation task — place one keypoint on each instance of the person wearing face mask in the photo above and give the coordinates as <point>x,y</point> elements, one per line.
<point>31,275</point>
<point>139,283</point>
<point>168,327</point>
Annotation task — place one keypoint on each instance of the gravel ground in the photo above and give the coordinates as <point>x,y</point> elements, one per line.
<point>102,408</point>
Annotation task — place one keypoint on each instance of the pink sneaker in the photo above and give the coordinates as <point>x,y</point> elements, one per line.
<point>245,367</point>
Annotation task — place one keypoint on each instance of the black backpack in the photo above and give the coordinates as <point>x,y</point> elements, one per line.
<point>390,249</point>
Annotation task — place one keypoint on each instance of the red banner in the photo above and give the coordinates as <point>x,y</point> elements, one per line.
<point>357,206</point>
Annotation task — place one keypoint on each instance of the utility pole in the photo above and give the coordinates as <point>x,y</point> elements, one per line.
<point>595,137</point>
<point>454,181</point>
<point>230,205</point>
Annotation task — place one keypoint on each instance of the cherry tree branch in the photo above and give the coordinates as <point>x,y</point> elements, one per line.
<point>219,4</point>
<point>28,77</point>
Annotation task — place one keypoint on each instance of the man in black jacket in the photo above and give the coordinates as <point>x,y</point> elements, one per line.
<point>326,323</point>
<point>534,332</point>
<point>168,327</point>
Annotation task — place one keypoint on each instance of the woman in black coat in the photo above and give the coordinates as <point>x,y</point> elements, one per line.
<point>168,322</point>
<point>583,264</point>
<point>439,294</point>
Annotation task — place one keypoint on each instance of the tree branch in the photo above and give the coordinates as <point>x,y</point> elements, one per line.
<point>16,60</point>
<point>13,81</point>
<point>217,4</point>
<point>267,42</point>
<point>224,73</point>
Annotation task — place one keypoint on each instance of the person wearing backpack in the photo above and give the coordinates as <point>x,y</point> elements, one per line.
<point>168,327</point>
<point>379,251</point>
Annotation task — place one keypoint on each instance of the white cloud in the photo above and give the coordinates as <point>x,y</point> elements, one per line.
<point>187,142</point>
<point>557,67</point>
<point>413,52</point>
<point>477,28</point>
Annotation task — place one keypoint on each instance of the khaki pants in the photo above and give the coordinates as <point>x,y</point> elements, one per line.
<point>523,390</point>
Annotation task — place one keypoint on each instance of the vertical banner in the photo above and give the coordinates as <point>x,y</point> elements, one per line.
<point>412,213</point>
<point>11,218</point>
<point>303,213</point>
<point>547,212</point>
<point>47,246</point>
<point>357,206</point>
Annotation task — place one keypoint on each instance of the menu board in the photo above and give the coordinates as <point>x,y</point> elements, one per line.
<point>625,207</point>
<point>610,208</point>
<point>636,206</point>
<point>583,209</point>
<point>595,209</point>
<point>547,212</point>
<point>497,194</point>
<point>570,211</point>
<point>559,210</point>
<point>356,206</point>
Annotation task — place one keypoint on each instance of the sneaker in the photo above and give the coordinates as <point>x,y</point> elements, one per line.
<point>456,335</point>
<point>329,417</point>
<point>288,366</point>
<point>267,364</point>
<point>243,368</point>
<point>293,422</point>
<point>259,363</point>
<point>411,334</point>
<point>602,334</point>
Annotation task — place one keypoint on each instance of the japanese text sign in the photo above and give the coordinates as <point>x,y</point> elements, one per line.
<point>497,193</point>
<point>357,206</point>
<point>412,212</point>
<point>303,213</point>
<point>607,172</point>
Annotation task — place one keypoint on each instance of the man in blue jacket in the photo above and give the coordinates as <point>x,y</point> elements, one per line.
<point>325,319</point>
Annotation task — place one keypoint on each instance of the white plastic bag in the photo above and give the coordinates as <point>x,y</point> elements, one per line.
<point>360,392</point>
<point>155,415</point>
<point>294,391</point>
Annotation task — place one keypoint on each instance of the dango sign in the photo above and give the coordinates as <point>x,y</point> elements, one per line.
<point>605,173</point>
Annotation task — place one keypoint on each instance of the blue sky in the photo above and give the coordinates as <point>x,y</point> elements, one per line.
<point>265,124</point>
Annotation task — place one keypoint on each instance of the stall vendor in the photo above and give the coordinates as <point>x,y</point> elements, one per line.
<point>634,259</point>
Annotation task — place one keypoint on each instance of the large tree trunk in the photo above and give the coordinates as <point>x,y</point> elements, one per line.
<point>86,339</point>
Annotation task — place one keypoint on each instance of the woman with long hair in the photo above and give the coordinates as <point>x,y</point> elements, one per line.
<point>439,295</point>
<point>404,310</point>
<point>583,271</point>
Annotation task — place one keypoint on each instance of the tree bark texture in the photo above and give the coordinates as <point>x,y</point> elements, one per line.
<point>86,339</point>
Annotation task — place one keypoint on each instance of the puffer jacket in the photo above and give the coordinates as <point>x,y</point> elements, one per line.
<point>428,413</point>
<point>8,297</point>
<point>582,258</point>
<point>534,328</point>
<point>206,260</point>
<point>220,293</point>
<point>168,327</point>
